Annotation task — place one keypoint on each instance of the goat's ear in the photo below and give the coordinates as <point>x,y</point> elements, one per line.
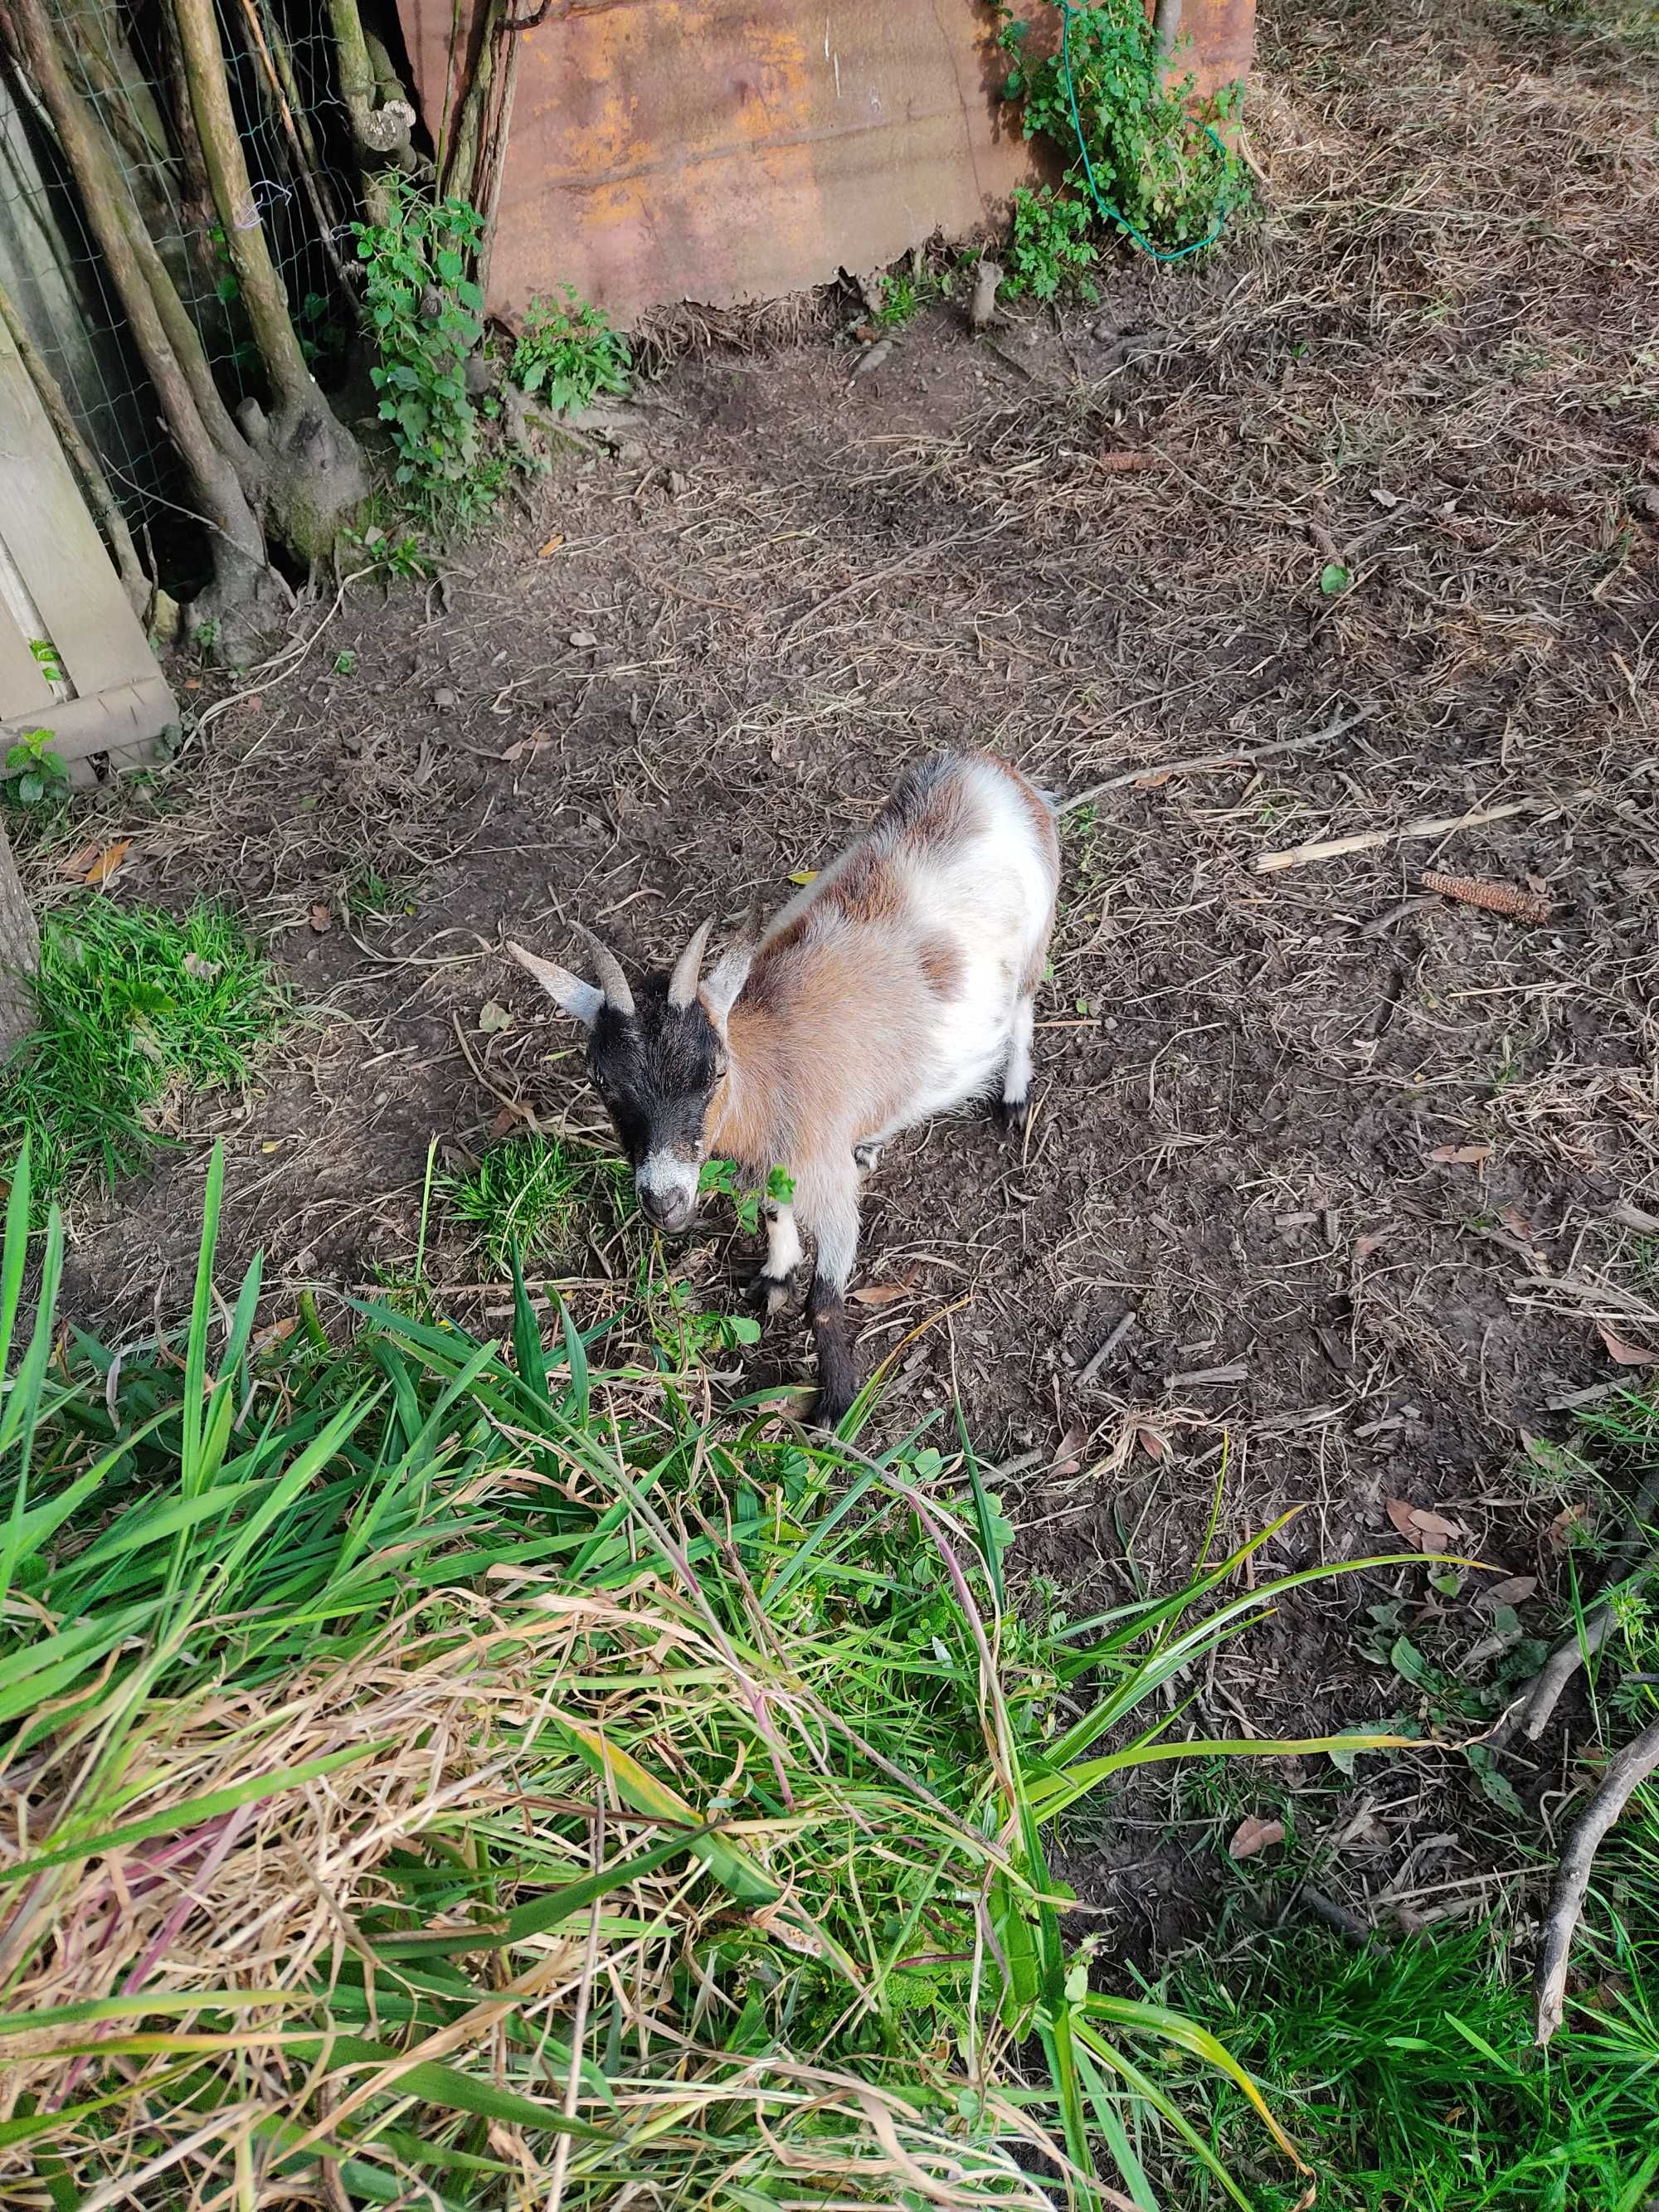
<point>727,977</point>
<point>570,993</point>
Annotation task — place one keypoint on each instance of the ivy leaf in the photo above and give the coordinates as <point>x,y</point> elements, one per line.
<point>1333,580</point>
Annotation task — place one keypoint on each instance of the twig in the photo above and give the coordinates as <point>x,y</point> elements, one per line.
<point>1236,1370</point>
<point>295,653</point>
<point>1632,1766</point>
<point>1241,757</point>
<point>1089,1373</point>
<point>1367,841</point>
<point>1531,1712</point>
<point>1358,1931</point>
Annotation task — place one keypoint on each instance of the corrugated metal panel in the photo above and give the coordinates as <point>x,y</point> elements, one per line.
<point>725,150</point>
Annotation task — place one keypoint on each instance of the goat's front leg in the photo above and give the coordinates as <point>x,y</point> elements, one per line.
<point>833,1221</point>
<point>1014,1107</point>
<point>770,1288</point>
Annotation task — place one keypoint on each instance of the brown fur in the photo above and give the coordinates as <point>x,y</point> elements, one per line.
<point>941,963</point>
<point>867,890</point>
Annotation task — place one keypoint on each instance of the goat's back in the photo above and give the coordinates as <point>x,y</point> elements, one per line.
<point>903,961</point>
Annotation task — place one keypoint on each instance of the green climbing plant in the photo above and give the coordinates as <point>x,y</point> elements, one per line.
<point>1141,150</point>
<point>426,316</point>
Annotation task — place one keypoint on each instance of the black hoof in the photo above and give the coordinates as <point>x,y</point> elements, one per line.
<point>1014,1115</point>
<point>771,1293</point>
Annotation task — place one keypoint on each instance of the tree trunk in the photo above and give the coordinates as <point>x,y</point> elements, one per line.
<point>382,133</point>
<point>20,954</point>
<point>1166,25</point>
<point>222,465</point>
<point>314,471</point>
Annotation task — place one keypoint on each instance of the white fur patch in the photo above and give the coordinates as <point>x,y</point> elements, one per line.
<point>670,1181</point>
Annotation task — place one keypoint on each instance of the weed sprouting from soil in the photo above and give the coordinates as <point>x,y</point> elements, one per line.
<point>137,1008</point>
<point>568,356</point>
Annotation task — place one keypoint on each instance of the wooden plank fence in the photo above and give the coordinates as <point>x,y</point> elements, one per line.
<point>98,689</point>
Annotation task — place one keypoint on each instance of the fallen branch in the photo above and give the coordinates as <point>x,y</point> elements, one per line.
<point>1240,757</point>
<point>1632,1766</point>
<point>1532,1716</point>
<point>1367,841</point>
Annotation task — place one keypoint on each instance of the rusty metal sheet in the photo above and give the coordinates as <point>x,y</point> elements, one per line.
<point>731,150</point>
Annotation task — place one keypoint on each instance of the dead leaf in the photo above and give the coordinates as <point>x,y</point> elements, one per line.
<point>1626,1354</point>
<point>321,918</point>
<point>804,876</point>
<point>1365,1246</point>
<point>551,546</point>
<point>1253,1835</point>
<point>1460,1156</point>
<point>879,1294</point>
<point>493,1018</point>
<point>1516,1222</point>
<point>1514,1590</point>
<point>1560,1532</point>
<point>511,1116</point>
<point>107,862</point>
<point>267,1339</point>
<point>1151,1444</point>
<point>203,971</point>
<point>74,867</point>
<point>1428,1530</point>
<point>1068,1453</point>
<point>1154,780</point>
<point>1120,463</point>
<point>531,744</point>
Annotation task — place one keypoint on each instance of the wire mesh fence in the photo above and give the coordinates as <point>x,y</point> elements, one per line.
<point>295,129</point>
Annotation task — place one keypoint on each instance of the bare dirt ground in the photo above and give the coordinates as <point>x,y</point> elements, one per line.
<point>1359,1160</point>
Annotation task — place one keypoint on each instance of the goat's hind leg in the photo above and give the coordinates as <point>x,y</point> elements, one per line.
<point>1014,1108</point>
<point>835,1224</point>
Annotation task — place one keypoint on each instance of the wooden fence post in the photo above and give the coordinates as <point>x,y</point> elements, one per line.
<point>19,953</point>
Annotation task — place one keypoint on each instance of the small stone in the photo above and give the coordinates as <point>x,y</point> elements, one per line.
<point>444,699</point>
<point>583,639</point>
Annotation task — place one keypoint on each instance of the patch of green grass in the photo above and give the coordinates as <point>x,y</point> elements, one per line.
<point>1410,2070</point>
<point>683,1785</point>
<point>905,293</point>
<point>1411,2064</point>
<point>136,1007</point>
<point>528,1192</point>
<point>369,890</point>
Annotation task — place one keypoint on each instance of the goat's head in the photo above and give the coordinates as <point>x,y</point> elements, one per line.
<point>658,1057</point>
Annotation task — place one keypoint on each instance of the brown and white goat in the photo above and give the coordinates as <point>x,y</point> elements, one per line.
<point>899,983</point>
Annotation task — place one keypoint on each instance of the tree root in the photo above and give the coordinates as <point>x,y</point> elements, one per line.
<point>1632,1766</point>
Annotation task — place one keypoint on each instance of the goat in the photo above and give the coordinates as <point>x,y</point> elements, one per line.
<point>899,983</point>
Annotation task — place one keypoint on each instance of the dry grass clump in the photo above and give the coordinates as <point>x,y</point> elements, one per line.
<point>438,1778</point>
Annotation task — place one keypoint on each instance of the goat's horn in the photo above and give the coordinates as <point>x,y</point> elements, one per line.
<point>607,970</point>
<point>682,983</point>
